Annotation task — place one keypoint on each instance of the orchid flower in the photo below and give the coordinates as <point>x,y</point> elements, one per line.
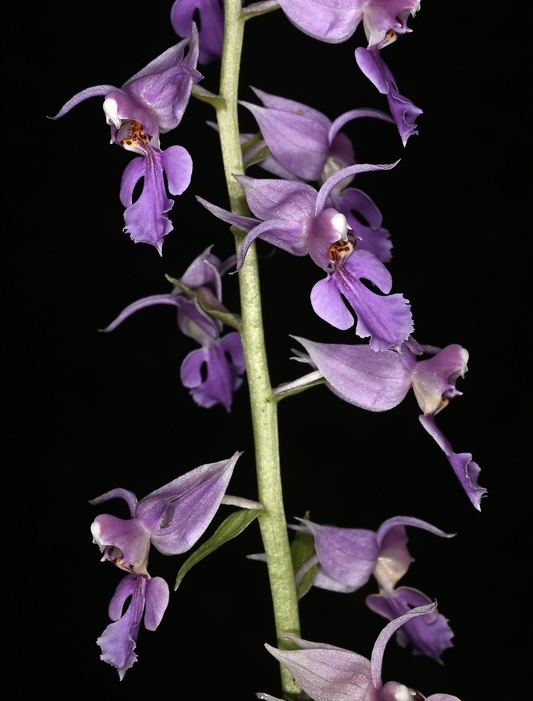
<point>211,25</point>
<point>150,103</point>
<point>305,145</point>
<point>384,21</point>
<point>222,357</point>
<point>295,218</point>
<point>172,519</point>
<point>346,559</point>
<point>329,673</point>
<point>380,381</point>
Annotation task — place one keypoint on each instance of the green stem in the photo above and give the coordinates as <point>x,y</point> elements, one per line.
<point>272,520</point>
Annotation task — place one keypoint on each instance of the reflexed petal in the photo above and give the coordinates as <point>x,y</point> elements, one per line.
<point>141,304</point>
<point>178,513</point>
<point>372,381</point>
<point>355,114</point>
<point>96,91</point>
<point>387,633</point>
<point>119,493</point>
<point>429,635</point>
<point>394,558</point>
<point>338,176</point>
<point>465,468</point>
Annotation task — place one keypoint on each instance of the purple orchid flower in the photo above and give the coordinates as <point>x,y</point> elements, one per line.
<point>380,381</point>
<point>294,217</point>
<point>346,559</point>
<point>171,519</point>
<point>304,145</point>
<point>151,102</point>
<point>211,25</point>
<point>329,673</point>
<point>222,357</point>
<point>384,21</point>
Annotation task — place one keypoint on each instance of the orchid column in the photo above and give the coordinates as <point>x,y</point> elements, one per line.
<point>263,403</point>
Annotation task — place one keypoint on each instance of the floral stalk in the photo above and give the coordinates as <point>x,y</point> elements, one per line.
<point>263,403</point>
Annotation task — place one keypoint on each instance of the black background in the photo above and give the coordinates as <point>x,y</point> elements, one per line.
<point>88,412</point>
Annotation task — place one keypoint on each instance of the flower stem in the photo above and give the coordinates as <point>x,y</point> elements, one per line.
<point>272,520</point>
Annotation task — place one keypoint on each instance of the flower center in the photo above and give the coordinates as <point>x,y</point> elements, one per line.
<point>130,136</point>
<point>341,249</point>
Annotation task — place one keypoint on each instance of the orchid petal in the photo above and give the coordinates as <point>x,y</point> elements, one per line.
<point>325,672</point>
<point>244,223</point>
<point>465,468</point>
<point>328,20</point>
<point>341,175</point>
<point>373,238</point>
<point>300,143</point>
<point>329,305</point>
<point>141,304</point>
<point>96,91</point>
<point>177,164</point>
<point>403,110</point>
<point>177,514</point>
<point>211,33</point>
<point>429,635</point>
<point>371,381</point>
<point>348,555</point>
<point>279,199</point>
<point>386,634</point>
<point>119,493</point>
<point>118,641</point>
<point>157,598</point>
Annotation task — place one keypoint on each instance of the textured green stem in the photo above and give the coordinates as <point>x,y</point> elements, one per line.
<point>272,520</point>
